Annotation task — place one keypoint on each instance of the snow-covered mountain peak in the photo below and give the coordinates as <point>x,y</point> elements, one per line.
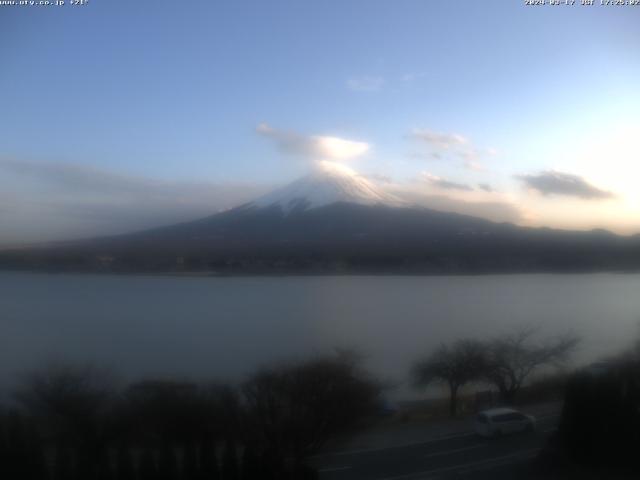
<point>329,183</point>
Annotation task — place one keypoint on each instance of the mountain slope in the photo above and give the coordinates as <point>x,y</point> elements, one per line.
<point>330,183</point>
<point>335,221</point>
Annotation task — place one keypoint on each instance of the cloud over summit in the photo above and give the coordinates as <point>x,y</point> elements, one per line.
<point>313,147</point>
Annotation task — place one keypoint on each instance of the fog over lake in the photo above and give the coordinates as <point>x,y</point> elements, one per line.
<point>223,328</point>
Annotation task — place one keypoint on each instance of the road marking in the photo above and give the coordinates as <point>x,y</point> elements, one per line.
<point>333,469</point>
<point>498,461</point>
<point>411,444</point>
<point>554,415</point>
<point>457,450</point>
<point>466,466</point>
<point>392,447</point>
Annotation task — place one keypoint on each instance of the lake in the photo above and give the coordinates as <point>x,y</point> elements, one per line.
<point>223,328</point>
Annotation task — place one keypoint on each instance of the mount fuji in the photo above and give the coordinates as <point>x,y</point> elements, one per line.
<point>329,183</point>
<point>336,221</point>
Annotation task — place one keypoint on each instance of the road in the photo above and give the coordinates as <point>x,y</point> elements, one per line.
<point>463,455</point>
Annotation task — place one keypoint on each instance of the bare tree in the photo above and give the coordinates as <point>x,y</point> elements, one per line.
<point>70,404</point>
<point>512,358</point>
<point>293,410</point>
<point>454,365</point>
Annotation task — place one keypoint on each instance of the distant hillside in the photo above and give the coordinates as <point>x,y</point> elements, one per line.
<point>340,237</point>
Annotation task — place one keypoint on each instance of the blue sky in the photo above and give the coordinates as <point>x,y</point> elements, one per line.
<point>172,93</point>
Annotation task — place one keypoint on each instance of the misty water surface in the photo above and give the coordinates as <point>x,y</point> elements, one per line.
<point>223,328</point>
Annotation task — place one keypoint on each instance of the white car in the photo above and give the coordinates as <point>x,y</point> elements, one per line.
<point>503,421</point>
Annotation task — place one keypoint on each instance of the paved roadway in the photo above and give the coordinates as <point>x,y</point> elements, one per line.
<point>463,455</point>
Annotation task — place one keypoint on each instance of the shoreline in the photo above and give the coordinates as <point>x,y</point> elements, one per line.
<point>217,274</point>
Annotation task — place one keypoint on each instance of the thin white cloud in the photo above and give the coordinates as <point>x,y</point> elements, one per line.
<point>425,155</point>
<point>474,165</point>
<point>443,183</point>
<point>551,182</point>
<point>486,205</point>
<point>43,201</point>
<point>452,146</point>
<point>314,147</point>
<point>365,83</point>
<point>440,141</point>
